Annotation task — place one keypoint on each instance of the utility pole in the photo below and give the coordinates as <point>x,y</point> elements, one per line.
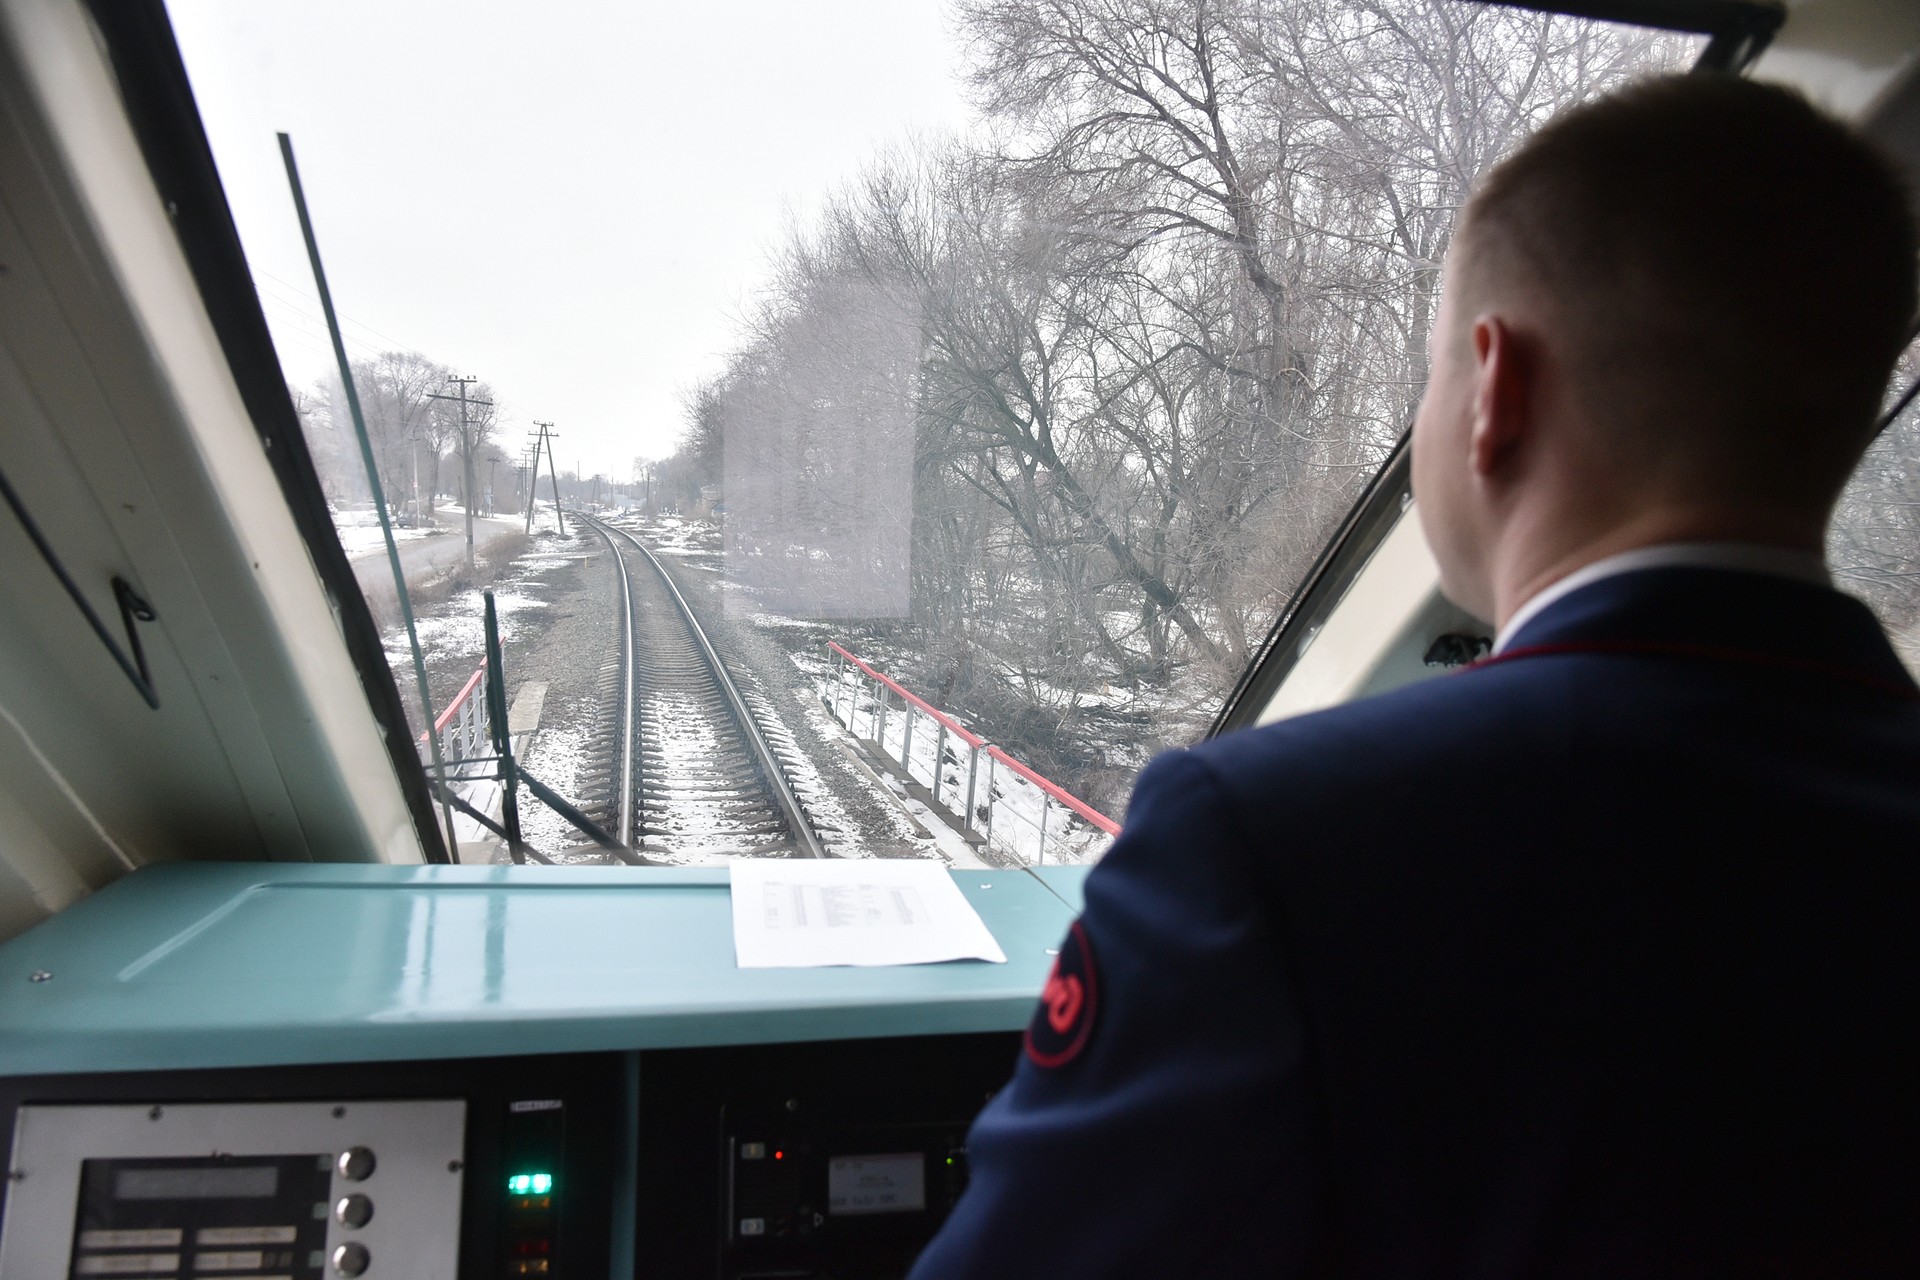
<point>553,472</point>
<point>534,483</point>
<point>493,464</point>
<point>466,452</point>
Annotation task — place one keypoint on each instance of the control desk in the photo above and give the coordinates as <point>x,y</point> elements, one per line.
<point>318,1071</point>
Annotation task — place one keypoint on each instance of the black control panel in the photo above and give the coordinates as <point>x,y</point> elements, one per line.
<point>836,1160</point>
<point>807,1195</point>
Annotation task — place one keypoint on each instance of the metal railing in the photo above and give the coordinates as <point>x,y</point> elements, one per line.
<point>1004,802</point>
<point>465,728</point>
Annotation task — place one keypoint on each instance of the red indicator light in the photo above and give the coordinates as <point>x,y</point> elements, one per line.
<point>779,1155</point>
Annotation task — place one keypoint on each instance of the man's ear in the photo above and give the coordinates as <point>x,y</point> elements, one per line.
<point>1501,396</point>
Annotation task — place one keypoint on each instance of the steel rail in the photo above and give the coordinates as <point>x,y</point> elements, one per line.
<point>625,830</point>
<point>804,836</point>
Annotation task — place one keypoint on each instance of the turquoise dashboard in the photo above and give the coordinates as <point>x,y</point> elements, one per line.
<point>441,1072</point>
<point>192,965</point>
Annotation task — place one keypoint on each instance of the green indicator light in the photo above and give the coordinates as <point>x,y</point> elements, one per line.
<point>542,1183</point>
<point>530,1184</point>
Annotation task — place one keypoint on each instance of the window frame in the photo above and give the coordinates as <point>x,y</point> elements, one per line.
<point>165,118</point>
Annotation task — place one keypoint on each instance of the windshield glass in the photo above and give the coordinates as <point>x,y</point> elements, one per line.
<point>881,427</point>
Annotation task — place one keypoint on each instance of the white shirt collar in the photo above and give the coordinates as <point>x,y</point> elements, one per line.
<point>1747,557</point>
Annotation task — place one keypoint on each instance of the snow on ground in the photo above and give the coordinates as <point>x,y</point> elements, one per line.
<point>556,757</point>
<point>460,627</point>
<point>359,530</point>
<point>827,810</point>
<point>1017,817</point>
<point>1006,805</point>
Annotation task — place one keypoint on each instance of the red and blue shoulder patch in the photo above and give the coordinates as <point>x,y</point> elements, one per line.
<point>1069,1002</point>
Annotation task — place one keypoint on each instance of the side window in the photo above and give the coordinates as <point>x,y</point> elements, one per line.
<point>1874,546</point>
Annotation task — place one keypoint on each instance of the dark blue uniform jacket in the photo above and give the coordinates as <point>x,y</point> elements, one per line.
<point>1598,959</point>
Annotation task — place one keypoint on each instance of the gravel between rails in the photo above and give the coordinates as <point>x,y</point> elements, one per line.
<point>850,813</point>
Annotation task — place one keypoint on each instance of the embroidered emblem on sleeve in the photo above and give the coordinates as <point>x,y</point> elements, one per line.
<point>1069,1002</point>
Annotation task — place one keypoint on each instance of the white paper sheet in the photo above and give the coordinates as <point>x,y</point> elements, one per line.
<point>792,913</point>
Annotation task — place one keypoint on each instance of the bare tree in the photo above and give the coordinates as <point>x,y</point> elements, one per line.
<point>394,388</point>
<point>1152,336</point>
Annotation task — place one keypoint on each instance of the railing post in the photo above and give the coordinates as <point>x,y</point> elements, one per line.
<point>989,832</point>
<point>973,779</point>
<point>906,738</point>
<point>880,717</point>
<point>939,760</point>
<point>1041,856</point>
<point>838,666</point>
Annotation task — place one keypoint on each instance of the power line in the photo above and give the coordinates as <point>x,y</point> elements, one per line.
<point>387,337</point>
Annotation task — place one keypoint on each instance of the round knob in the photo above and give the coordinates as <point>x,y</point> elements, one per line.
<point>354,1210</point>
<point>355,1164</point>
<point>351,1259</point>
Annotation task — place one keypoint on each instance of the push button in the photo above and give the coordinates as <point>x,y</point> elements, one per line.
<point>351,1259</point>
<point>354,1210</point>
<point>355,1164</point>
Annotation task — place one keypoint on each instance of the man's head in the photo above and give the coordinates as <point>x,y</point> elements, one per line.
<point>1671,314</point>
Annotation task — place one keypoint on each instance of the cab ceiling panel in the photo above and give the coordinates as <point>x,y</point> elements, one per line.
<point>128,442</point>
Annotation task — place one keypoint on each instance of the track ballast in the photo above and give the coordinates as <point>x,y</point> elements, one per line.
<point>687,768</point>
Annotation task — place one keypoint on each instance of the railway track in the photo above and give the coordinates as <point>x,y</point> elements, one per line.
<point>687,767</point>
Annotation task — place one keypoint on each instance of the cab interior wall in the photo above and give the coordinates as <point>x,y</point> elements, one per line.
<point>121,413</point>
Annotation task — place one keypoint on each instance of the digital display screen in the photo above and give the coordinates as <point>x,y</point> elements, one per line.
<point>877,1184</point>
<point>231,1182</point>
<point>234,1215</point>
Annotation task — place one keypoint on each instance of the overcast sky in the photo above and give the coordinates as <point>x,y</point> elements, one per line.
<point>573,200</point>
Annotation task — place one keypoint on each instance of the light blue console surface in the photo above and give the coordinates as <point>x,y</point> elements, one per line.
<point>253,964</point>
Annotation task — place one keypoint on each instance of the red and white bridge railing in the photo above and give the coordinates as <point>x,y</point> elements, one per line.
<point>987,791</point>
<point>464,727</point>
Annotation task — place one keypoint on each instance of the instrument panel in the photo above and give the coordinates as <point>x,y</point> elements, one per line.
<point>831,1159</point>
<point>295,1189</point>
<point>390,1171</point>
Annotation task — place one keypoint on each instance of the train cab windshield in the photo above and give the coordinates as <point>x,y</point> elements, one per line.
<point>510,508</point>
<point>880,431</point>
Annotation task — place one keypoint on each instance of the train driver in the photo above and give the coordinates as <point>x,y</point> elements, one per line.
<point>1599,957</point>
